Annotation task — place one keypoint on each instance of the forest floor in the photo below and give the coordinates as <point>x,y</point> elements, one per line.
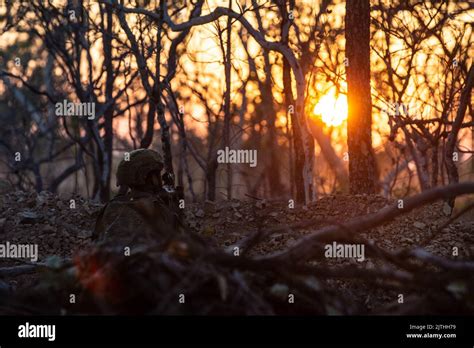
<point>47,220</point>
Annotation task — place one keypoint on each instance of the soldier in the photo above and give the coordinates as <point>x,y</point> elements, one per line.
<point>144,209</point>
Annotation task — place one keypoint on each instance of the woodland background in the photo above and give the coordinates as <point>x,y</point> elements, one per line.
<point>191,77</point>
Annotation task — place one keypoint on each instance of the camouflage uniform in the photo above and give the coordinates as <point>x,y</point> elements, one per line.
<point>144,210</point>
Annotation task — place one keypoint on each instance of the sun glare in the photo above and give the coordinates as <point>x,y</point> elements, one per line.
<point>332,109</point>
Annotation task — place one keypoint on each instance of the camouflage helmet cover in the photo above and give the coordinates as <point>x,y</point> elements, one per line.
<point>141,163</point>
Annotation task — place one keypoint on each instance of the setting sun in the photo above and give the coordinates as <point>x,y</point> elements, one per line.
<point>332,109</point>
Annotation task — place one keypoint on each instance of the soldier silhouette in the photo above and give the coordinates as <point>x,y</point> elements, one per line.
<point>144,209</point>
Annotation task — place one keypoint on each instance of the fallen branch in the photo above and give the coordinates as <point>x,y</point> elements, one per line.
<point>17,270</point>
<point>302,249</point>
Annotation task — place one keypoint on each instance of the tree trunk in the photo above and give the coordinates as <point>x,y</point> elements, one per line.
<point>273,169</point>
<point>109,113</point>
<point>451,169</point>
<point>362,167</point>
<point>211,180</point>
<point>297,143</point>
<point>146,141</point>
<point>227,111</point>
<point>160,108</point>
<point>453,176</point>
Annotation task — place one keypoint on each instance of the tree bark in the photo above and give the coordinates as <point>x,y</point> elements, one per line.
<point>227,102</point>
<point>297,143</point>
<point>362,170</point>
<point>109,113</point>
<point>451,169</point>
<point>453,175</point>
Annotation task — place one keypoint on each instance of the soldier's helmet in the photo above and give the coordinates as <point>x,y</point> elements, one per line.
<point>140,166</point>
